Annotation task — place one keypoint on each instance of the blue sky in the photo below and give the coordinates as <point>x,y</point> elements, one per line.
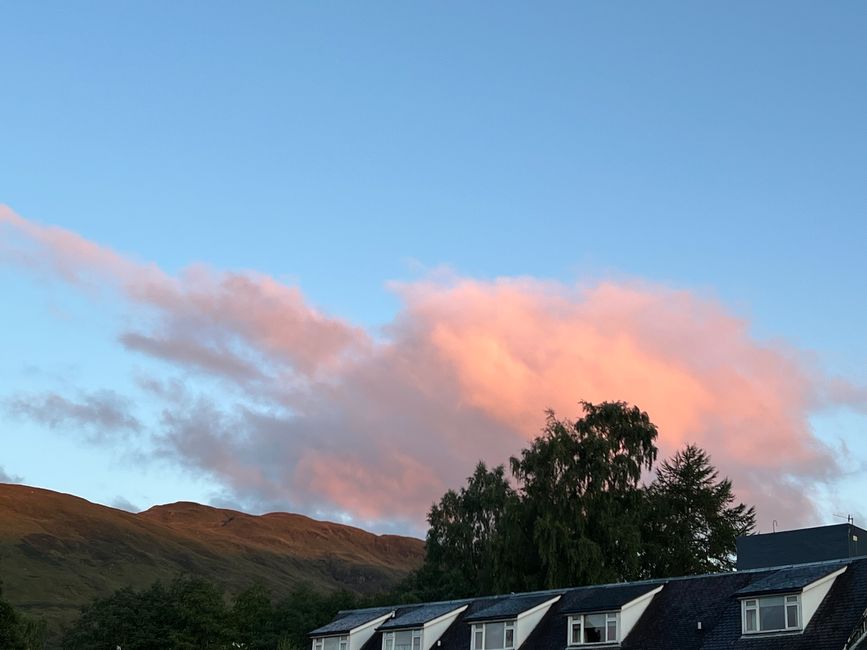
<point>716,149</point>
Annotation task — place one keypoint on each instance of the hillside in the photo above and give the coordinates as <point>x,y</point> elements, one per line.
<point>58,551</point>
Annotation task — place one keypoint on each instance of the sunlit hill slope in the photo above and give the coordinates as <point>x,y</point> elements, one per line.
<point>58,551</point>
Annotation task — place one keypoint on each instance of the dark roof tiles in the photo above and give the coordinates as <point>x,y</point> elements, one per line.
<point>349,620</point>
<point>418,616</point>
<point>511,606</point>
<point>790,579</point>
<point>603,598</point>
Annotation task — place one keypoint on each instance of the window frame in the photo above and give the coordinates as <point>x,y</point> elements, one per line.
<point>416,634</point>
<point>578,620</point>
<point>509,625</point>
<point>342,642</point>
<point>754,605</point>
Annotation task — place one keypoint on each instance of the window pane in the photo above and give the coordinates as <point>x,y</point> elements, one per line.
<point>612,630</point>
<point>575,638</point>
<point>331,643</point>
<point>403,640</point>
<point>792,616</point>
<point>751,620</point>
<point>494,636</point>
<point>388,641</point>
<point>416,643</point>
<point>510,637</point>
<point>478,641</point>
<point>594,628</point>
<point>772,614</point>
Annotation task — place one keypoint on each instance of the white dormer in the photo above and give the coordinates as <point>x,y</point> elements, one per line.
<point>350,632</point>
<point>510,632</point>
<point>610,626</point>
<point>421,634</point>
<point>785,610</point>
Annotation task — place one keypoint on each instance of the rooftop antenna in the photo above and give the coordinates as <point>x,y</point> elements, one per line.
<point>849,518</point>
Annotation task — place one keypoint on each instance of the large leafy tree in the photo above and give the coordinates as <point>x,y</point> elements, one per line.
<point>692,518</point>
<point>188,614</point>
<point>579,483</point>
<point>580,513</point>
<point>464,542</point>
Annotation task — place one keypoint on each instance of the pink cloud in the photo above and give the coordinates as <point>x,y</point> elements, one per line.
<point>380,429</point>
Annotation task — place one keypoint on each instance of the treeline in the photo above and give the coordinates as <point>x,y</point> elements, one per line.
<point>193,614</point>
<point>19,632</point>
<point>579,510</point>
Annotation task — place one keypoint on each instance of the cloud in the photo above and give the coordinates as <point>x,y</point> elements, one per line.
<point>9,478</point>
<point>102,414</point>
<point>121,503</point>
<point>328,419</point>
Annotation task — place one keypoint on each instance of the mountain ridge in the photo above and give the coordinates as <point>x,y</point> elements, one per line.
<point>59,551</point>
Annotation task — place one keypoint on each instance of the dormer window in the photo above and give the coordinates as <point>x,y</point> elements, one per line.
<point>771,614</point>
<point>587,629</point>
<point>331,643</point>
<point>497,635</point>
<point>402,640</point>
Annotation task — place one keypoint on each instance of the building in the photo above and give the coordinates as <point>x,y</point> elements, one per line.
<point>810,605</point>
<point>803,545</point>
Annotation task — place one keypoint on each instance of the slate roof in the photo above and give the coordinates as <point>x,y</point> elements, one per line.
<point>351,619</point>
<point>418,616</point>
<point>790,579</point>
<point>604,597</point>
<point>458,635</point>
<point>671,619</point>
<point>512,606</point>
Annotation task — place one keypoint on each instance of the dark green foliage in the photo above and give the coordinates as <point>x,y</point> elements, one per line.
<point>254,621</point>
<point>186,615</point>
<point>19,632</point>
<point>10,628</point>
<point>692,518</point>
<point>193,614</point>
<point>464,540</point>
<point>580,513</point>
<point>580,494</point>
<point>304,610</point>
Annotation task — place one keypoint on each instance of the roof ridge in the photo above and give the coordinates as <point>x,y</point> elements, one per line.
<point>608,585</point>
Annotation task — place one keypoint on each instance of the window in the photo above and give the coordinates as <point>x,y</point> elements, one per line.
<point>771,614</point>
<point>402,640</point>
<point>594,628</point>
<point>331,643</point>
<point>499,635</point>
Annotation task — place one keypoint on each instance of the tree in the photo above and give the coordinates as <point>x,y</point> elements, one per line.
<point>253,620</point>
<point>464,540</point>
<point>10,628</point>
<point>188,614</point>
<point>579,486</point>
<point>580,513</point>
<point>19,632</point>
<point>692,519</point>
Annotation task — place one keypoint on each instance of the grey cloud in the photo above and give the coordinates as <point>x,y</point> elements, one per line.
<point>102,414</point>
<point>189,353</point>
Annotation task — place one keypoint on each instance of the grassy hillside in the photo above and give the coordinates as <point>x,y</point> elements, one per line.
<point>58,551</point>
